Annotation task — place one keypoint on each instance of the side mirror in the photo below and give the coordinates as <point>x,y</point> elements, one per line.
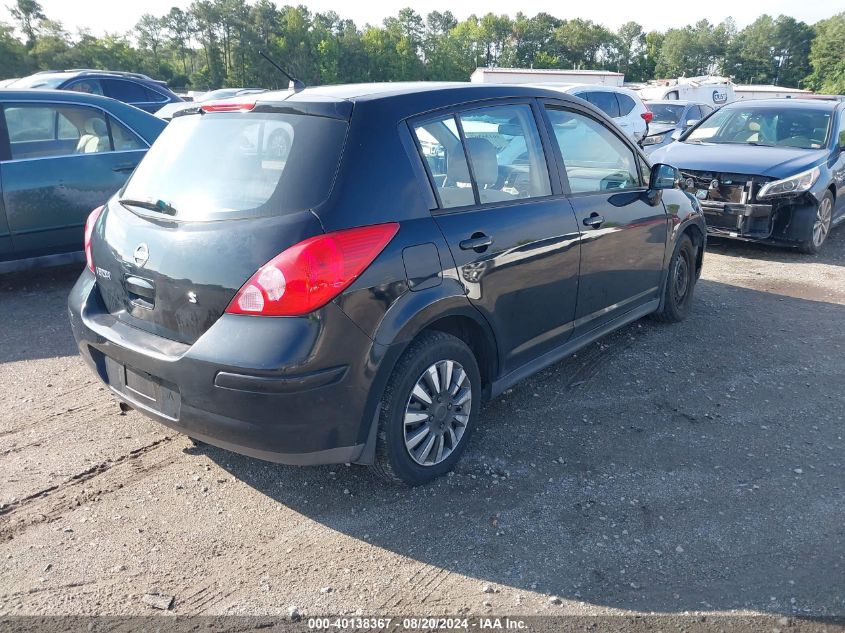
<point>691,122</point>
<point>664,176</point>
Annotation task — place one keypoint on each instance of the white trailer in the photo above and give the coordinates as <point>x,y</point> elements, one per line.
<point>715,91</point>
<point>546,75</point>
<point>759,91</point>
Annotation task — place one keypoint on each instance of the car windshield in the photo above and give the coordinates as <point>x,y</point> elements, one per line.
<point>38,81</point>
<point>236,165</point>
<point>806,128</point>
<point>668,113</point>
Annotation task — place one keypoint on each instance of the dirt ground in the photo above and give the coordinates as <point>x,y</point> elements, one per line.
<point>669,468</point>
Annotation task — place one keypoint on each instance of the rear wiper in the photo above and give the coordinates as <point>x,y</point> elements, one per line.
<point>159,207</point>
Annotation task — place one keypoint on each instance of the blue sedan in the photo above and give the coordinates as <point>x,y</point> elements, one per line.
<point>62,153</point>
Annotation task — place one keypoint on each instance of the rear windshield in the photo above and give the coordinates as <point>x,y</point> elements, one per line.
<point>665,112</point>
<point>219,166</point>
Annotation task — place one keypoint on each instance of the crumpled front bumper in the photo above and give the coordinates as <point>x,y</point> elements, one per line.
<point>786,220</point>
<point>729,219</point>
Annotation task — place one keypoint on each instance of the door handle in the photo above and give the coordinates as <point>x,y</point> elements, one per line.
<point>478,242</point>
<point>595,220</point>
<point>122,168</point>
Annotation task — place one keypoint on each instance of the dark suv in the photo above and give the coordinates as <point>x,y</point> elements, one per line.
<point>344,274</point>
<point>132,88</point>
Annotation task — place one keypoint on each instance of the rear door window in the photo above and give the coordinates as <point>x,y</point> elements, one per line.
<point>604,101</point>
<point>123,138</point>
<point>153,96</point>
<point>234,165</point>
<point>126,91</point>
<point>626,104</point>
<point>505,152</point>
<point>37,131</point>
<point>88,86</point>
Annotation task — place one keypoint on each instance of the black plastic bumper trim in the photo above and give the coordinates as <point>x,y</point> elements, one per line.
<point>274,384</point>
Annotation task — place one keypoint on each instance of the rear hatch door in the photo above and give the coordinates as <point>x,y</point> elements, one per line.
<point>217,196</point>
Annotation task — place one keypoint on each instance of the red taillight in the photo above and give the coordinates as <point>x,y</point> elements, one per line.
<point>648,116</point>
<point>228,106</point>
<point>311,273</point>
<point>89,230</point>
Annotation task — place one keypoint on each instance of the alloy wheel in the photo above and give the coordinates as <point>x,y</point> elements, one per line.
<point>437,412</point>
<point>821,227</point>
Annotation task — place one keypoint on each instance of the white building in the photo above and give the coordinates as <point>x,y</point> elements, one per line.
<point>545,75</point>
<point>760,91</point>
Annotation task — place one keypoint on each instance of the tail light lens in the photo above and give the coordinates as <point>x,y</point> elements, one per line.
<point>311,273</point>
<point>89,231</point>
<point>648,116</point>
<point>228,106</point>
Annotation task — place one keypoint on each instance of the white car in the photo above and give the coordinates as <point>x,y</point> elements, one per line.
<point>622,105</point>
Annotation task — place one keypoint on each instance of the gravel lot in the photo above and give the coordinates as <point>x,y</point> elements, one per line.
<point>693,467</point>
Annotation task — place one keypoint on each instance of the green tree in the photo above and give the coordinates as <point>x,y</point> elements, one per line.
<point>827,56</point>
<point>28,13</point>
<point>14,61</point>
<point>150,30</point>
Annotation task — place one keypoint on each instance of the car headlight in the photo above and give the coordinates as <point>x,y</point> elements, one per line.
<point>798,183</point>
<point>654,140</point>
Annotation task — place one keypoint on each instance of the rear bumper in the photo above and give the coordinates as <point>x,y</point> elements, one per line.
<point>288,390</point>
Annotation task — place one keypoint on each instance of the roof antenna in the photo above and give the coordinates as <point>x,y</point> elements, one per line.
<point>293,83</point>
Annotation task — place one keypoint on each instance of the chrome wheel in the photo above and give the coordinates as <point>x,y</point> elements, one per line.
<point>437,412</point>
<point>821,227</point>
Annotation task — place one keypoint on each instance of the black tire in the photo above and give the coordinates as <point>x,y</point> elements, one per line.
<point>677,293</point>
<point>393,460</point>
<point>814,242</point>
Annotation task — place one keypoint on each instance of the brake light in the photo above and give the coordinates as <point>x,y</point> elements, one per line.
<point>228,106</point>
<point>311,273</point>
<point>89,231</point>
<point>648,116</point>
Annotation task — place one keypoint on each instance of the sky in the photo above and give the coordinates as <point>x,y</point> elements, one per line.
<point>119,16</point>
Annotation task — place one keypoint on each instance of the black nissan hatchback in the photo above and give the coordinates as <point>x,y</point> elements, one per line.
<point>344,274</point>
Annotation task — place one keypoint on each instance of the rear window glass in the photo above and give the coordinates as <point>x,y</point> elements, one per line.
<point>235,165</point>
<point>626,104</point>
<point>605,101</point>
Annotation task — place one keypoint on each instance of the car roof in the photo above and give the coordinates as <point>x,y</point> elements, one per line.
<point>791,103</point>
<point>391,90</point>
<point>681,102</point>
<point>68,96</point>
<point>576,86</point>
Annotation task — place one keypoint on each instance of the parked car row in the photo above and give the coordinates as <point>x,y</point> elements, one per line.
<point>375,261</point>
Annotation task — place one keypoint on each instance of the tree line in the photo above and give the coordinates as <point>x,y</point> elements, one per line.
<point>215,43</point>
